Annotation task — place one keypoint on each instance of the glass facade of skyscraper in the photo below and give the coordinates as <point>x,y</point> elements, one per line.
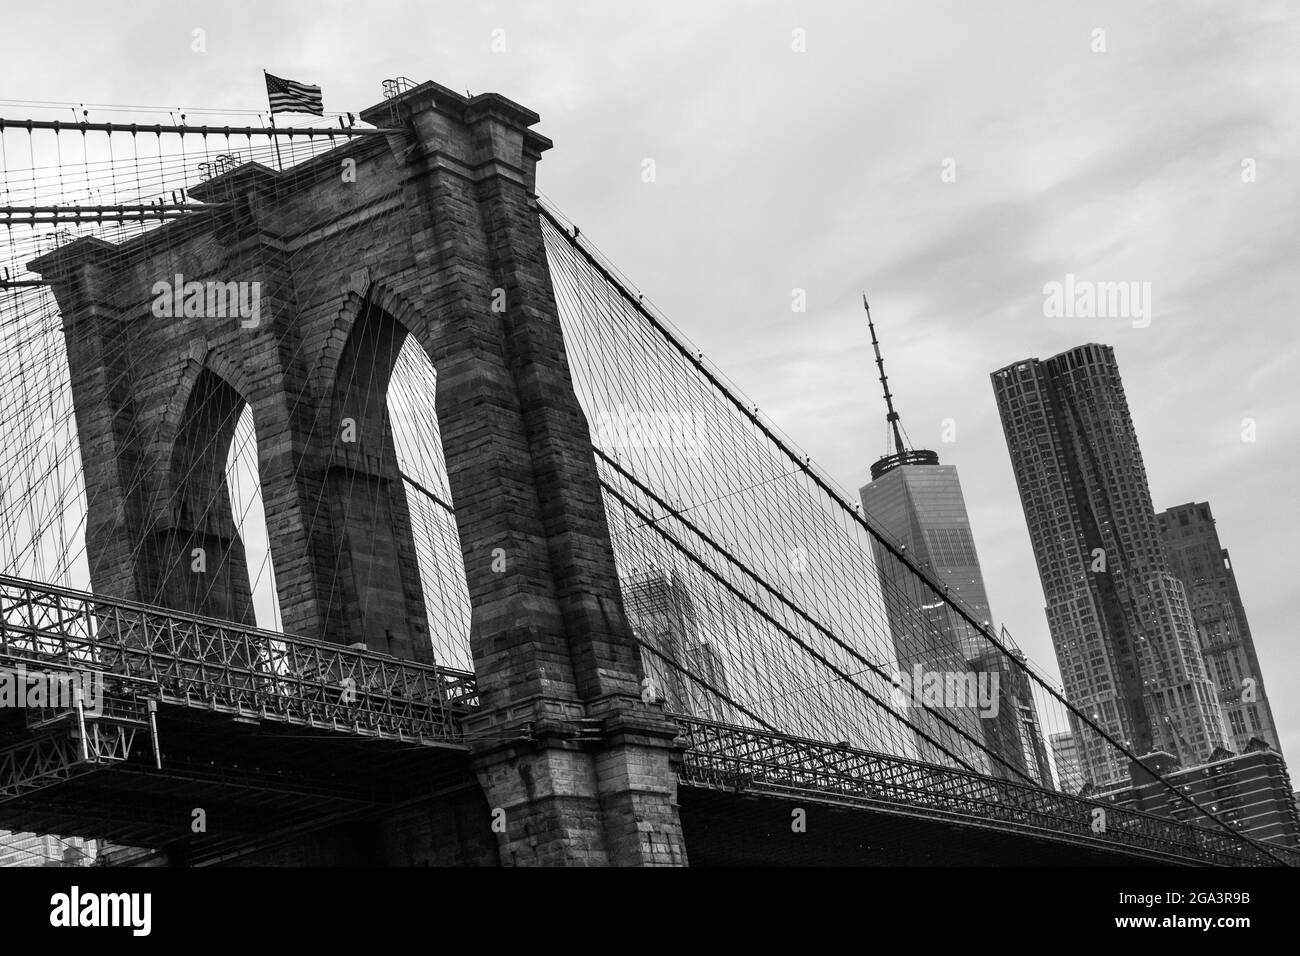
<point>922,508</point>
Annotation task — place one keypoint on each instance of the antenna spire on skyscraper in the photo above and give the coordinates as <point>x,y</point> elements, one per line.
<point>903,453</point>
<point>892,417</point>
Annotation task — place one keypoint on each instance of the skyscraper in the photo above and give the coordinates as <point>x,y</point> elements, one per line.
<point>1015,732</point>
<point>920,506</point>
<point>1123,633</point>
<point>918,503</point>
<point>662,614</point>
<point>1065,752</point>
<point>1195,556</point>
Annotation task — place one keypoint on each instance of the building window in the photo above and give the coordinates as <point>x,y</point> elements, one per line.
<point>1254,716</point>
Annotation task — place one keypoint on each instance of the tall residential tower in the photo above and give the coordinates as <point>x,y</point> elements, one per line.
<point>1123,633</point>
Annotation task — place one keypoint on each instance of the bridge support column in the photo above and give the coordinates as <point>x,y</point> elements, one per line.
<point>112,450</point>
<point>583,792</point>
<point>574,765</point>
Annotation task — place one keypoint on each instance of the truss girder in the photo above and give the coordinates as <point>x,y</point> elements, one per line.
<point>721,756</point>
<point>57,756</point>
<point>203,663</point>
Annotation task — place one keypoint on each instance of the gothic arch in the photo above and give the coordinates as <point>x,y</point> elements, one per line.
<point>192,558</point>
<point>381,576</point>
<point>200,358</point>
<point>363,295</point>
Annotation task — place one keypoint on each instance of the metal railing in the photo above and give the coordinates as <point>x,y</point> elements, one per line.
<point>726,757</point>
<point>202,662</point>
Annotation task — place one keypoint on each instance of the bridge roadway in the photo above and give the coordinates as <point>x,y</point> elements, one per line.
<point>273,736</point>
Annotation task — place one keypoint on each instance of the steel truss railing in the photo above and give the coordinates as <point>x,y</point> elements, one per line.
<point>219,666</point>
<point>725,757</point>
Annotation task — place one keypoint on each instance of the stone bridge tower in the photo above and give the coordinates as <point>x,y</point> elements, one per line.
<point>430,232</point>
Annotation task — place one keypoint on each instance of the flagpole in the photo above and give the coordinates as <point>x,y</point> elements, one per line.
<point>279,163</point>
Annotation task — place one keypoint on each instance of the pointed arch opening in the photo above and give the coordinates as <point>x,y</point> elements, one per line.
<point>400,575</point>
<point>198,560</point>
<point>249,513</point>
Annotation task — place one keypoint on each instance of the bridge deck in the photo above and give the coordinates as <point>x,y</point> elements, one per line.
<point>267,732</point>
<point>725,757</point>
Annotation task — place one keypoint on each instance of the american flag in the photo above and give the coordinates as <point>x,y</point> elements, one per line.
<point>290,96</point>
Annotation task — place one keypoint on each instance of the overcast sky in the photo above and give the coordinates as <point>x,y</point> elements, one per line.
<point>822,170</point>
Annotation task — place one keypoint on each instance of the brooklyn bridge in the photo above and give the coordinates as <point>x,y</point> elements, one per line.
<point>388,523</point>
